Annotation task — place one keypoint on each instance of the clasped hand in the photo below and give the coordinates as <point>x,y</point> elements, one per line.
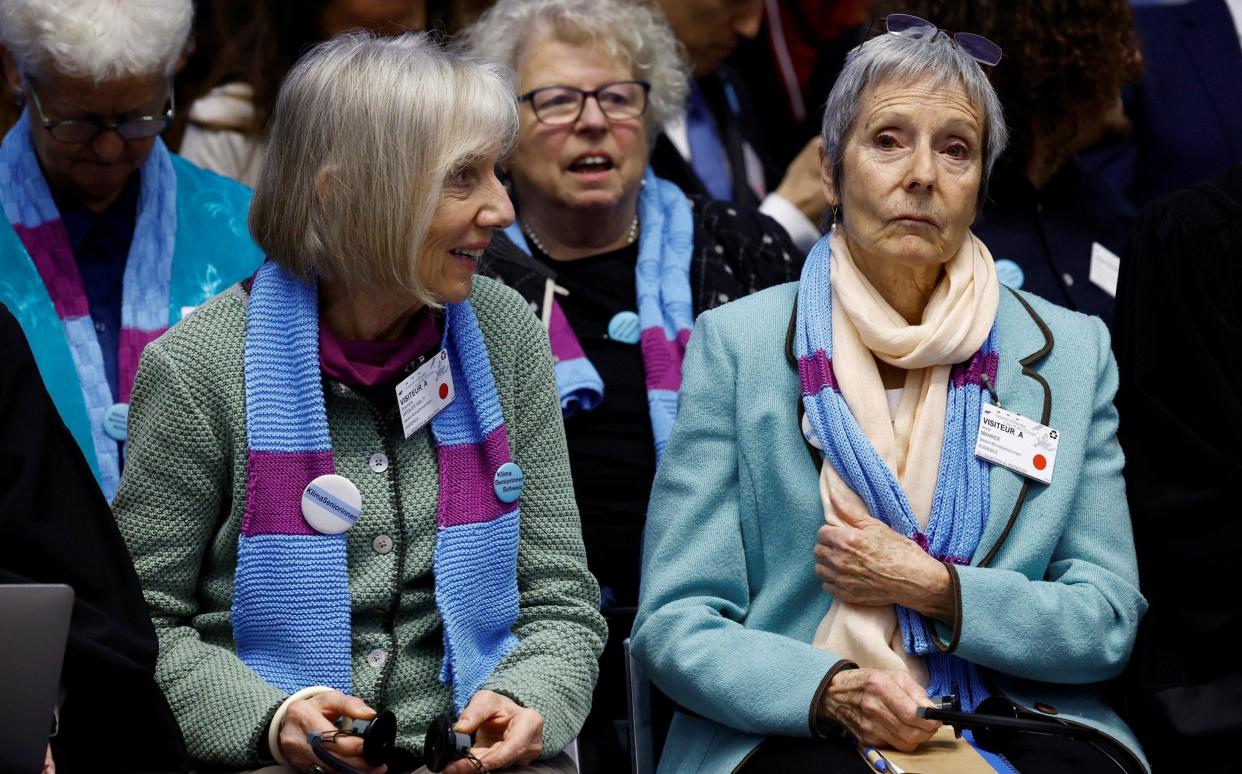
<point>860,560</point>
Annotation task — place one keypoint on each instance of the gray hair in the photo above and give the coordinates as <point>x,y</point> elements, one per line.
<point>363,135</point>
<point>634,32</point>
<point>911,57</point>
<point>101,40</point>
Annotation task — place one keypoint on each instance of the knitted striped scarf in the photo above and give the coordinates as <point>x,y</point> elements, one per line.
<point>961,501</point>
<point>665,310</point>
<point>145,307</point>
<point>291,614</point>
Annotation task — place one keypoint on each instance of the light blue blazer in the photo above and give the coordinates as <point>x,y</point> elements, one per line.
<point>730,600</point>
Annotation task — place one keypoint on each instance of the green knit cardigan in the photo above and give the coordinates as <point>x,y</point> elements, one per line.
<point>180,509</point>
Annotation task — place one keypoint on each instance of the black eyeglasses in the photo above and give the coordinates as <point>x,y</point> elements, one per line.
<point>80,130</point>
<point>562,105</point>
<point>984,51</point>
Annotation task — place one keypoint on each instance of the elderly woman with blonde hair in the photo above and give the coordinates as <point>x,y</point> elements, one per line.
<point>348,488</point>
<point>897,479</point>
<point>616,261</point>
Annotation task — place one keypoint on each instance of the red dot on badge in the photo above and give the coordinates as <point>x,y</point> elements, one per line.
<point>443,391</point>
<point>1040,462</point>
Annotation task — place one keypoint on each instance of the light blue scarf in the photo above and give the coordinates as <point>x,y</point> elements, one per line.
<point>961,502</point>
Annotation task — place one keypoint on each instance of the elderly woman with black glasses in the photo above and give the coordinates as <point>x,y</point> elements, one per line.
<point>615,261</point>
<point>895,480</point>
<point>113,239</point>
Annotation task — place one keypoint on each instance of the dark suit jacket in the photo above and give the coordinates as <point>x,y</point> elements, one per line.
<point>1187,112</point>
<point>727,97</point>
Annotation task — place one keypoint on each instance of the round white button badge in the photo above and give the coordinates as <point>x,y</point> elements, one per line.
<point>331,504</point>
<point>116,421</point>
<point>509,482</point>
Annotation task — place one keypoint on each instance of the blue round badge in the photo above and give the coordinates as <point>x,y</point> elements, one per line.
<point>509,482</point>
<point>1010,273</point>
<point>624,327</point>
<point>116,421</point>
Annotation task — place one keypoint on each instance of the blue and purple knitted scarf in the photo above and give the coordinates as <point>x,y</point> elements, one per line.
<point>961,502</point>
<point>145,307</point>
<point>665,310</point>
<point>291,614</point>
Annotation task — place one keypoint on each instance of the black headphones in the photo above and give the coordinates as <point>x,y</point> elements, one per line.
<point>443,745</point>
<point>379,738</point>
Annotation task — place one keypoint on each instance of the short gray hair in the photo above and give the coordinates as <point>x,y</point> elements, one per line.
<point>634,32</point>
<point>910,57</point>
<point>100,40</point>
<point>364,133</point>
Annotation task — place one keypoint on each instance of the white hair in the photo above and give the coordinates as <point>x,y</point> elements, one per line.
<point>101,40</point>
<point>364,133</point>
<point>636,33</point>
<point>911,57</point>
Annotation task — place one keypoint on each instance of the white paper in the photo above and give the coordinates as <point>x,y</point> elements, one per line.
<point>1105,267</point>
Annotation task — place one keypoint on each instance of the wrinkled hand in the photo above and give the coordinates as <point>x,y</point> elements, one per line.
<point>802,184</point>
<point>319,713</point>
<point>879,708</point>
<point>505,733</point>
<point>860,560</point>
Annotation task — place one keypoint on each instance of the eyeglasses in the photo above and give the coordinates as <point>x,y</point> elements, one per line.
<point>77,130</point>
<point>562,105</point>
<point>984,51</point>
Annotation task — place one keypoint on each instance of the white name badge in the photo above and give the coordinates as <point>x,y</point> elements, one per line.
<point>1105,268</point>
<point>1015,442</point>
<point>425,393</point>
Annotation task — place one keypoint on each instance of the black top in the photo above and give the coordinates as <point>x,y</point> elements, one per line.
<point>1179,347</point>
<point>737,251</point>
<point>56,527</point>
<point>612,448</point>
<point>1050,233</point>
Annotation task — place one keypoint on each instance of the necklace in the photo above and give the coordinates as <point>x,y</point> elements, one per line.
<point>630,236</point>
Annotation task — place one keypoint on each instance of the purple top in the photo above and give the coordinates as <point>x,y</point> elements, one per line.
<point>377,363</point>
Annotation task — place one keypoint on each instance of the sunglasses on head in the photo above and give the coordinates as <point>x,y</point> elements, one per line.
<point>984,51</point>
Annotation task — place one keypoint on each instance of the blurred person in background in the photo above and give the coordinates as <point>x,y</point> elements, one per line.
<point>1187,109</point>
<point>1179,346</point>
<point>715,145</point>
<point>616,261</point>
<point>227,122</point>
<point>57,528</point>
<point>110,238</point>
<point>1055,228</point>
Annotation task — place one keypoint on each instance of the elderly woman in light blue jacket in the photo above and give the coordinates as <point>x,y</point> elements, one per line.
<point>896,479</point>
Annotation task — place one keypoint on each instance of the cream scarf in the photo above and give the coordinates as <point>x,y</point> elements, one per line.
<point>955,324</point>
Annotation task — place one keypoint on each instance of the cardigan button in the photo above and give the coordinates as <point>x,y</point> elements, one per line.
<point>1047,709</point>
<point>376,658</point>
<point>378,462</point>
<point>382,544</point>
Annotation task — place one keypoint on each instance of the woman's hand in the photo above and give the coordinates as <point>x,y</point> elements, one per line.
<point>879,707</point>
<point>860,560</point>
<point>319,713</point>
<point>506,733</point>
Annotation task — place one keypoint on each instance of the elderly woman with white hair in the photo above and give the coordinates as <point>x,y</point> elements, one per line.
<point>348,490</point>
<point>112,239</point>
<point>615,261</point>
<point>896,479</point>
